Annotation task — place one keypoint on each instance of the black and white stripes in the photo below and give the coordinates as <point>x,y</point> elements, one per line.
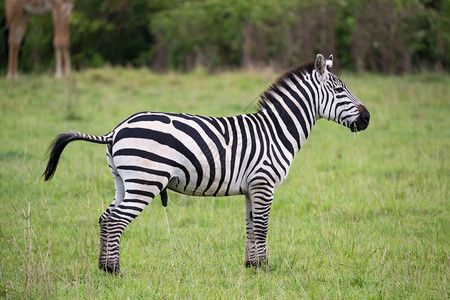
<point>247,154</point>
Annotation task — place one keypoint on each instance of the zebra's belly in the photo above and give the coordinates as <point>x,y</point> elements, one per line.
<point>178,184</point>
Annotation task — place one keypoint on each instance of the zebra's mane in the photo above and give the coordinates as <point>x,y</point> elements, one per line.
<point>266,98</point>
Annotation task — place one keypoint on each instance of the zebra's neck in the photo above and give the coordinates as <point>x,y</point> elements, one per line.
<point>290,106</point>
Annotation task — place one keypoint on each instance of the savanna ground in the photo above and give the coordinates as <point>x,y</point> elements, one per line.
<point>360,216</point>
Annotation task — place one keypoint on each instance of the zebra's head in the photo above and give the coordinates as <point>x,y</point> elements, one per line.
<point>336,102</point>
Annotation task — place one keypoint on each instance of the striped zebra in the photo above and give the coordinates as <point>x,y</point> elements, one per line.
<point>248,154</point>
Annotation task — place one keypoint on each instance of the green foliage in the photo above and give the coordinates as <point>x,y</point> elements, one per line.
<point>112,31</point>
<point>376,35</point>
<point>360,216</point>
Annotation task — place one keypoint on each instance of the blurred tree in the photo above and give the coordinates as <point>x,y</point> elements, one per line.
<point>391,36</point>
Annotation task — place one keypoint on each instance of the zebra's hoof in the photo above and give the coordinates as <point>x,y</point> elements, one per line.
<point>249,264</point>
<point>258,263</point>
<point>113,268</point>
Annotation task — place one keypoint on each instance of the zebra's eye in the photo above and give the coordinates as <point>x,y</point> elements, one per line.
<point>339,90</point>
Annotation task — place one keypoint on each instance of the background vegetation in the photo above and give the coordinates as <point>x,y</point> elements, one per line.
<point>360,215</point>
<point>377,35</point>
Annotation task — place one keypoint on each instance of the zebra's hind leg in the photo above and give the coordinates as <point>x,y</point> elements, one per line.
<point>102,221</point>
<point>140,190</point>
<point>261,196</point>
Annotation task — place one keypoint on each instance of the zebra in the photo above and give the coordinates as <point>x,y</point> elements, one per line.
<point>248,154</point>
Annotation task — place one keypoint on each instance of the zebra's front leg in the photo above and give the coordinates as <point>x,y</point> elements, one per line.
<point>261,197</point>
<point>250,247</point>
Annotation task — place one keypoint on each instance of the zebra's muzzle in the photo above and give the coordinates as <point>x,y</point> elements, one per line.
<point>362,121</point>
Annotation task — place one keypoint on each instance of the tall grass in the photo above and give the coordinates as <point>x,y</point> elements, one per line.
<point>360,215</point>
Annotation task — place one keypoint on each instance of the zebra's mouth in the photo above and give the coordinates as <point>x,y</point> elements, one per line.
<point>362,121</point>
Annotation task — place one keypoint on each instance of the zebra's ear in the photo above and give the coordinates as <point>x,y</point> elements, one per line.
<point>330,62</point>
<point>320,64</point>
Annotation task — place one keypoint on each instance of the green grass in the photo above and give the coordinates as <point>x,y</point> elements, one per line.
<point>360,215</point>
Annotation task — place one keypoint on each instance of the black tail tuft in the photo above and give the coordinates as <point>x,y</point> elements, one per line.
<point>164,197</point>
<point>61,141</point>
<point>55,150</point>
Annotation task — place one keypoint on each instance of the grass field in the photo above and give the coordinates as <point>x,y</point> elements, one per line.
<point>360,216</point>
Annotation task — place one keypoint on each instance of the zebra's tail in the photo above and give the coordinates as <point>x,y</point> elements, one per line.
<point>61,141</point>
